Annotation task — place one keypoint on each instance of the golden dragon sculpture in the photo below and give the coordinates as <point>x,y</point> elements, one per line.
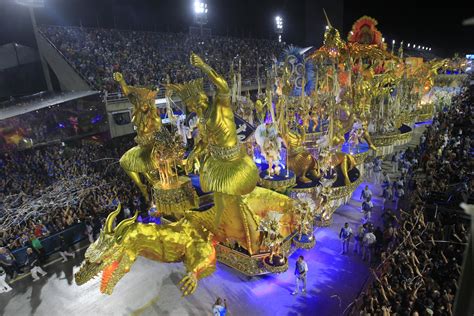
<point>116,249</point>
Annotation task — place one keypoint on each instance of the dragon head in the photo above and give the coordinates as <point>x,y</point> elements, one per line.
<point>108,254</point>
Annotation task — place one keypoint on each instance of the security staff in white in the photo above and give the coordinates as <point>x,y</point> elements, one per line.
<point>301,270</point>
<point>345,236</point>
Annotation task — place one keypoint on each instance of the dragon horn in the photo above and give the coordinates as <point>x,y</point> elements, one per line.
<point>109,222</point>
<point>123,225</point>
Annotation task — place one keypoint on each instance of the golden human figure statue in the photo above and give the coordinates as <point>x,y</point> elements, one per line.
<point>306,226</point>
<point>138,160</point>
<point>271,237</point>
<point>309,117</point>
<point>226,168</point>
<point>260,109</point>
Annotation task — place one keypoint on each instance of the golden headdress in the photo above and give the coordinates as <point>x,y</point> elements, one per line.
<point>143,93</point>
<point>188,91</point>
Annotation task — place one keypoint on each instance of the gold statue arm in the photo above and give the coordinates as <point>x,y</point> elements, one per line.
<point>217,79</point>
<point>302,131</point>
<point>200,147</point>
<point>196,153</point>
<point>283,140</point>
<point>125,88</point>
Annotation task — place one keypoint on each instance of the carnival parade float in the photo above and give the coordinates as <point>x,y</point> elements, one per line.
<point>259,172</point>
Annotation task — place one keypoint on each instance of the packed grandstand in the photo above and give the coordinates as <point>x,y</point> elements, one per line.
<point>149,58</point>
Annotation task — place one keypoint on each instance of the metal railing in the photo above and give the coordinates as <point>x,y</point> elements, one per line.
<point>247,84</point>
<point>51,244</point>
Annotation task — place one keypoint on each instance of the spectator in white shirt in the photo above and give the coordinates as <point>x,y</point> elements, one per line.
<point>220,307</point>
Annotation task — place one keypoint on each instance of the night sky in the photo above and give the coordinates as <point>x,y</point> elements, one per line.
<point>427,24</point>
<point>424,23</point>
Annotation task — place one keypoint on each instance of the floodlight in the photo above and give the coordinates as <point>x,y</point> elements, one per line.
<point>278,24</point>
<point>200,7</point>
<point>31,3</point>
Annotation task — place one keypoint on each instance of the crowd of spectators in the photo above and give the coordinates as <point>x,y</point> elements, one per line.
<point>147,58</point>
<point>32,173</point>
<point>422,246</point>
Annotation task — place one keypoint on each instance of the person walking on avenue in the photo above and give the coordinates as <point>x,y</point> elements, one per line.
<point>364,195</point>
<point>395,159</point>
<point>33,262</point>
<point>63,249</point>
<point>358,238</point>
<point>367,208</point>
<point>387,195</point>
<point>385,180</point>
<point>368,167</point>
<point>345,236</point>
<point>220,307</point>
<point>301,271</point>
<point>377,170</point>
<point>38,247</point>
<point>8,262</point>
<point>4,286</point>
<point>89,231</point>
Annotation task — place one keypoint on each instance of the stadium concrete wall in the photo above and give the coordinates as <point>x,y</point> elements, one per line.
<point>69,79</point>
<point>119,107</point>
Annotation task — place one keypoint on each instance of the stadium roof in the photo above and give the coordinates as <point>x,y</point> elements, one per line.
<point>40,101</point>
<point>13,55</point>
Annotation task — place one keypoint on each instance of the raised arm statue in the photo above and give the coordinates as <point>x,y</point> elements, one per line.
<point>225,167</point>
<point>138,160</point>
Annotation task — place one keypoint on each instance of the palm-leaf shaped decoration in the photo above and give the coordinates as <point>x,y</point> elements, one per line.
<point>301,71</point>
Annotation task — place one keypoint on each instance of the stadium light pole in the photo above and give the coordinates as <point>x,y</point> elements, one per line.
<point>279,27</point>
<point>31,5</point>
<point>200,13</point>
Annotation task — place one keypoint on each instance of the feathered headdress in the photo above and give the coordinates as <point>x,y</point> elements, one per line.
<point>302,71</point>
<point>143,93</point>
<point>188,91</point>
<point>306,200</point>
<point>364,31</point>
